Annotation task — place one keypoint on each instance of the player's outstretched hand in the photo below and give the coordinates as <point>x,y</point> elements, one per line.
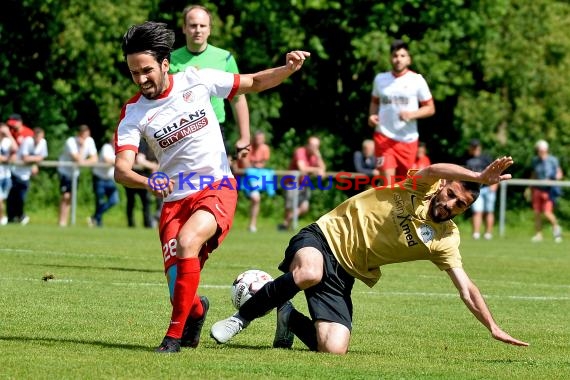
<point>493,173</point>
<point>296,58</point>
<point>506,338</point>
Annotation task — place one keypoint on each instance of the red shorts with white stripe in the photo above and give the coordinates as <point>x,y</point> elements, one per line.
<point>392,154</point>
<point>219,201</point>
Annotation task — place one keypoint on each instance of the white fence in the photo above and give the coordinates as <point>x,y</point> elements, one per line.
<point>280,173</point>
<point>502,195</point>
<point>520,182</point>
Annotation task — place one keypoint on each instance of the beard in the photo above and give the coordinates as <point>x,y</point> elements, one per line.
<point>154,90</point>
<point>439,212</point>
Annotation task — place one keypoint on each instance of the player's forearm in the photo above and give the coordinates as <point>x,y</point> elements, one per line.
<point>32,159</point>
<point>373,108</point>
<point>241,113</point>
<point>126,176</point>
<point>424,111</point>
<point>265,79</point>
<point>477,306</point>
<point>131,179</point>
<point>450,172</point>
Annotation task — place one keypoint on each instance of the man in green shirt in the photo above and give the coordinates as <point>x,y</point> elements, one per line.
<point>199,53</point>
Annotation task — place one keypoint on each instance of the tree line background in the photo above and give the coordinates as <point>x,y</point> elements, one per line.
<point>498,69</point>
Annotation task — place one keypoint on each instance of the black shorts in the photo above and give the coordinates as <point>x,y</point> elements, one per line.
<point>330,299</point>
<point>64,184</point>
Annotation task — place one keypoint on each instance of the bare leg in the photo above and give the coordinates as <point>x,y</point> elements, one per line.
<point>64,206</point>
<point>254,210</point>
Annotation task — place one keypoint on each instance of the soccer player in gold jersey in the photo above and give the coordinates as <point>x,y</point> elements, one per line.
<point>409,221</point>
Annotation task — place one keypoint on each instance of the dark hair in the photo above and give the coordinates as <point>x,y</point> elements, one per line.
<point>397,45</point>
<point>150,37</point>
<point>472,187</point>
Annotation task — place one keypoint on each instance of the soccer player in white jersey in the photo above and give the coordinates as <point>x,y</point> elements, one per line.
<point>174,115</point>
<point>399,98</point>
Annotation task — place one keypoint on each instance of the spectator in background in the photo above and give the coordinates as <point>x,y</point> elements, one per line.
<point>196,26</point>
<point>79,149</point>
<point>308,161</point>
<point>146,165</point>
<point>8,147</point>
<point>18,129</point>
<point>399,98</point>
<point>31,151</point>
<point>365,160</point>
<point>104,187</point>
<point>254,170</point>
<point>545,166</point>
<point>422,159</point>
<point>484,206</point>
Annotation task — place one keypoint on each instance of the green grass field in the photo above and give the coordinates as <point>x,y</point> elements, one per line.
<point>107,308</point>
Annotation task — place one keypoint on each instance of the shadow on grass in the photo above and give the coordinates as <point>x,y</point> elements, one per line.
<point>133,347</point>
<point>102,268</point>
<point>252,347</point>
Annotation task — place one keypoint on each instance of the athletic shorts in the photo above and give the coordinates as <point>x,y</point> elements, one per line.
<point>330,299</point>
<point>304,196</point>
<point>64,184</point>
<point>486,200</point>
<point>220,201</point>
<point>541,201</point>
<point>5,185</point>
<point>392,154</point>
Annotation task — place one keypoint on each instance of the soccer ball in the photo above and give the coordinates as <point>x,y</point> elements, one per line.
<point>246,284</point>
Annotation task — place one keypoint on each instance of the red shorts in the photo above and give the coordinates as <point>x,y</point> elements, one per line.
<point>541,201</point>
<point>220,201</point>
<point>392,154</point>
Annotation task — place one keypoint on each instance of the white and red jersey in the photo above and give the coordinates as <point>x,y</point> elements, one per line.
<point>399,93</point>
<point>181,128</point>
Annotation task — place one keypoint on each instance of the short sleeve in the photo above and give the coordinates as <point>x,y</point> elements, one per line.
<point>128,137</point>
<point>231,65</point>
<point>445,252</point>
<point>42,149</point>
<point>71,146</point>
<point>424,93</point>
<point>375,87</point>
<point>220,84</point>
<point>91,148</point>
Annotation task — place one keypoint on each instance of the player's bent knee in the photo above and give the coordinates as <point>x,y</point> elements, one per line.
<point>189,245</point>
<point>305,277</point>
<point>332,338</point>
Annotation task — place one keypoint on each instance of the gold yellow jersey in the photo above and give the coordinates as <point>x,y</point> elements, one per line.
<point>391,225</point>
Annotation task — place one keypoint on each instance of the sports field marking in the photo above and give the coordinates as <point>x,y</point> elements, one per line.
<point>377,293</point>
<point>41,252</point>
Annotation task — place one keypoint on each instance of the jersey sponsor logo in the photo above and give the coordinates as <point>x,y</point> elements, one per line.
<point>188,97</point>
<point>184,127</point>
<point>426,233</point>
<point>396,100</point>
<point>404,220</point>
<point>168,130</point>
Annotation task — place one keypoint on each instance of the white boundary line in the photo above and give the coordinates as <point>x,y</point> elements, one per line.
<point>378,293</point>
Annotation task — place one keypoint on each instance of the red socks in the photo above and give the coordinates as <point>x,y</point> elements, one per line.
<point>185,288</point>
